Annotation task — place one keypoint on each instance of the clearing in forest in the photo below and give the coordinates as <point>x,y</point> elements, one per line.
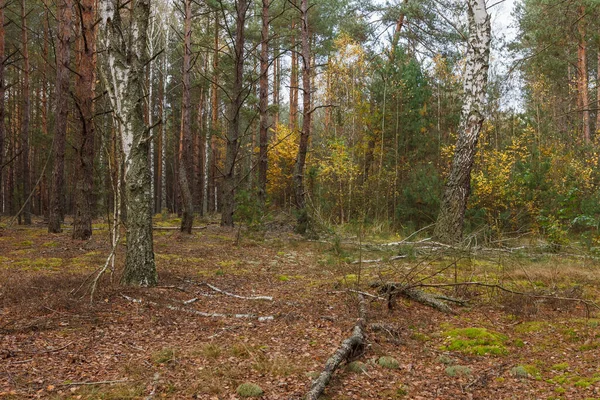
<point>241,308</point>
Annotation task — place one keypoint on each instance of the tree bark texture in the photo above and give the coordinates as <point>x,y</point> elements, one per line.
<point>299,190</point>
<point>233,129</point>
<point>449,225</point>
<point>211,190</point>
<point>84,92</point>
<point>2,94</point>
<point>263,105</point>
<point>124,26</point>
<point>350,348</point>
<point>185,137</point>
<point>293,118</point>
<point>26,106</point>
<point>582,77</point>
<point>63,56</point>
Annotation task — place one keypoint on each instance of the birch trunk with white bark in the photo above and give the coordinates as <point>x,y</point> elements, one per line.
<point>449,225</point>
<point>124,27</point>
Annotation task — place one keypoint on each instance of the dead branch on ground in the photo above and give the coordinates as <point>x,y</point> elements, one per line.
<point>350,348</point>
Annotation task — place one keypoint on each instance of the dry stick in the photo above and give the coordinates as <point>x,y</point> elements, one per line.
<point>219,315</point>
<point>216,289</point>
<point>95,383</point>
<point>50,351</point>
<point>348,348</point>
<point>201,313</point>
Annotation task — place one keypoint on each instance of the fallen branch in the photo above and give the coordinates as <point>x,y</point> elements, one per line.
<point>216,289</point>
<point>348,349</point>
<point>95,383</point>
<point>176,228</point>
<point>201,313</point>
<point>410,292</point>
<point>378,260</point>
<point>587,303</point>
<point>219,315</point>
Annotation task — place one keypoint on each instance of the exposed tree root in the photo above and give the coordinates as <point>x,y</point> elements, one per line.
<point>349,348</point>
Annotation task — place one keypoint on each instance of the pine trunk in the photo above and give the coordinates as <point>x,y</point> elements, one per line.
<point>185,138</point>
<point>449,225</point>
<point>2,95</point>
<point>263,105</point>
<point>299,190</point>
<point>84,90</point>
<point>233,129</point>
<point>26,105</point>
<point>65,11</point>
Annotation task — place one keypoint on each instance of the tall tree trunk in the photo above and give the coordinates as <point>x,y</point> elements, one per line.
<point>125,40</point>
<point>233,129</point>
<point>293,119</point>
<point>163,137</point>
<point>598,95</point>
<point>84,91</point>
<point>306,122</point>
<point>211,194</point>
<point>2,94</point>
<point>25,174</point>
<point>263,105</point>
<point>582,76</point>
<point>449,225</point>
<point>65,14</point>
<point>185,137</point>
<point>199,160</point>
<point>276,63</point>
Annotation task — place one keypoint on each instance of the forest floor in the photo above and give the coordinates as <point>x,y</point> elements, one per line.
<point>155,343</point>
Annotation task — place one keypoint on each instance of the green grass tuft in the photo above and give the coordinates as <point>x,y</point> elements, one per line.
<point>249,390</point>
<point>388,362</point>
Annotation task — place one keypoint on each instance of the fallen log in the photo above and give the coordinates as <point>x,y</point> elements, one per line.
<point>349,348</point>
<point>410,292</point>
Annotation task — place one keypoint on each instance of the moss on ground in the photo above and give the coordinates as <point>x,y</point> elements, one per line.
<point>476,341</point>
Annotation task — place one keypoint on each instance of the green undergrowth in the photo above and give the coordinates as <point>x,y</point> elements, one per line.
<point>475,341</point>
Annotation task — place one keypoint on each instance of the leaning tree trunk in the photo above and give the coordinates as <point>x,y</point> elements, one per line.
<point>65,13</point>
<point>125,37</point>
<point>449,225</point>
<point>263,105</point>
<point>84,90</point>
<point>185,138</point>
<point>306,121</point>
<point>233,130</point>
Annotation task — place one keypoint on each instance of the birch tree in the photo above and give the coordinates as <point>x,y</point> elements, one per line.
<point>449,225</point>
<point>124,27</point>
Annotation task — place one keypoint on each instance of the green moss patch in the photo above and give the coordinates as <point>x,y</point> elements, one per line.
<point>249,390</point>
<point>458,370</point>
<point>476,341</point>
<point>388,362</point>
<point>357,367</point>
